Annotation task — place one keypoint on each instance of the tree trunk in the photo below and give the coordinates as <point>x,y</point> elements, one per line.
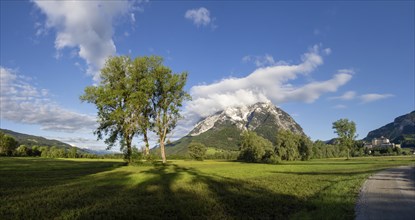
<point>163,153</point>
<point>147,150</point>
<point>129,151</point>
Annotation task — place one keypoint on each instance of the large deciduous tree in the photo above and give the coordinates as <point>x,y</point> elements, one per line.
<point>112,99</point>
<point>142,70</point>
<point>291,146</point>
<point>346,131</point>
<point>167,98</point>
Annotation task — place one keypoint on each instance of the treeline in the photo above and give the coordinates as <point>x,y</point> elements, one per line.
<point>289,146</point>
<point>10,147</point>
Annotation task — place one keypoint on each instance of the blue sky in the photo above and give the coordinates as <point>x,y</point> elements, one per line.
<point>319,61</point>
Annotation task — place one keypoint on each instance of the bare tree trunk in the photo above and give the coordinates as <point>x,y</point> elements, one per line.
<point>162,149</point>
<point>163,153</point>
<point>147,151</point>
<point>129,151</point>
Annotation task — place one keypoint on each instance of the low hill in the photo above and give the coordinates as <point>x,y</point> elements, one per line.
<point>400,131</point>
<point>31,140</point>
<point>223,129</point>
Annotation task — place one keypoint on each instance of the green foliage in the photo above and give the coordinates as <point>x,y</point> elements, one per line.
<point>73,152</point>
<point>197,150</point>
<point>290,146</point>
<point>346,131</point>
<point>7,145</point>
<point>323,150</point>
<point>135,96</point>
<point>167,97</point>
<point>255,148</point>
<point>39,188</point>
<point>305,148</point>
<point>286,145</point>
<point>22,151</point>
<point>112,98</point>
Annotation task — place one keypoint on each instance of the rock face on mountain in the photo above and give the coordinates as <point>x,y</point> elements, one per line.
<point>401,130</point>
<point>223,129</point>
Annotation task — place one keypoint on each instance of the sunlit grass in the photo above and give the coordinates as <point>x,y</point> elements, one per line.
<point>35,188</point>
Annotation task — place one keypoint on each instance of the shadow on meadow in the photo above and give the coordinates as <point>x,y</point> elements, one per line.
<point>164,192</point>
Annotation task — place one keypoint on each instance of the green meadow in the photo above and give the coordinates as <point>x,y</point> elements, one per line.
<point>38,188</point>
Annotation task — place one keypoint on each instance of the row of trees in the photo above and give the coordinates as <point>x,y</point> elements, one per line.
<point>135,97</point>
<point>288,146</point>
<point>10,147</point>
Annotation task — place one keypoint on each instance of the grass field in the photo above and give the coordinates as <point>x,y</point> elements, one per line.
<point>36,188</point>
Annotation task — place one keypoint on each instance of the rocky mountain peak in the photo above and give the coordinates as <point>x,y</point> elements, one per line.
<point>249,117</point>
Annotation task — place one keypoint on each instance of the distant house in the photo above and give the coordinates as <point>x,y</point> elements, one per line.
<point>381,142</point>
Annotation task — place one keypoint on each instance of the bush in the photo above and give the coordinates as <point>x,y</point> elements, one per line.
<point>197,150</point>
<point>255,148</point>
<point>7,144</point>
<point>271,158</point>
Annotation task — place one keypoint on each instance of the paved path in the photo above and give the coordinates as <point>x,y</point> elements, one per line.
<point>389,194</point>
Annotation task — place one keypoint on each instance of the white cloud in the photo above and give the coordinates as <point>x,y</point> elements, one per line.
<point>87,26</point>
<point>200,16</point>
<point>371,97</point>
<point>366,98</point>
<point>265,83</point>
<point>263,61</point>
<point>349,95</point>
<point>22,102</point>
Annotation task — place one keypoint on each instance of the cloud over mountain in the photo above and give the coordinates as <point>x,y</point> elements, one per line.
<point>267,83</point>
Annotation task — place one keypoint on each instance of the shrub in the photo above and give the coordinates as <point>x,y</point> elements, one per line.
<point>197,150</point>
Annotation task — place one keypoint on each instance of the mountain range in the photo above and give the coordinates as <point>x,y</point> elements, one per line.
<point>223,129</point>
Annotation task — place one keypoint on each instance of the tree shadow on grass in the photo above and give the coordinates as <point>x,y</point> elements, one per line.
<point>164,192</point>
<point>167,196</point>
<point>33,172</point>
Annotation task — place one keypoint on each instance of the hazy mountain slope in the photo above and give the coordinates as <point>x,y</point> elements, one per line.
<point>401,130</point>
